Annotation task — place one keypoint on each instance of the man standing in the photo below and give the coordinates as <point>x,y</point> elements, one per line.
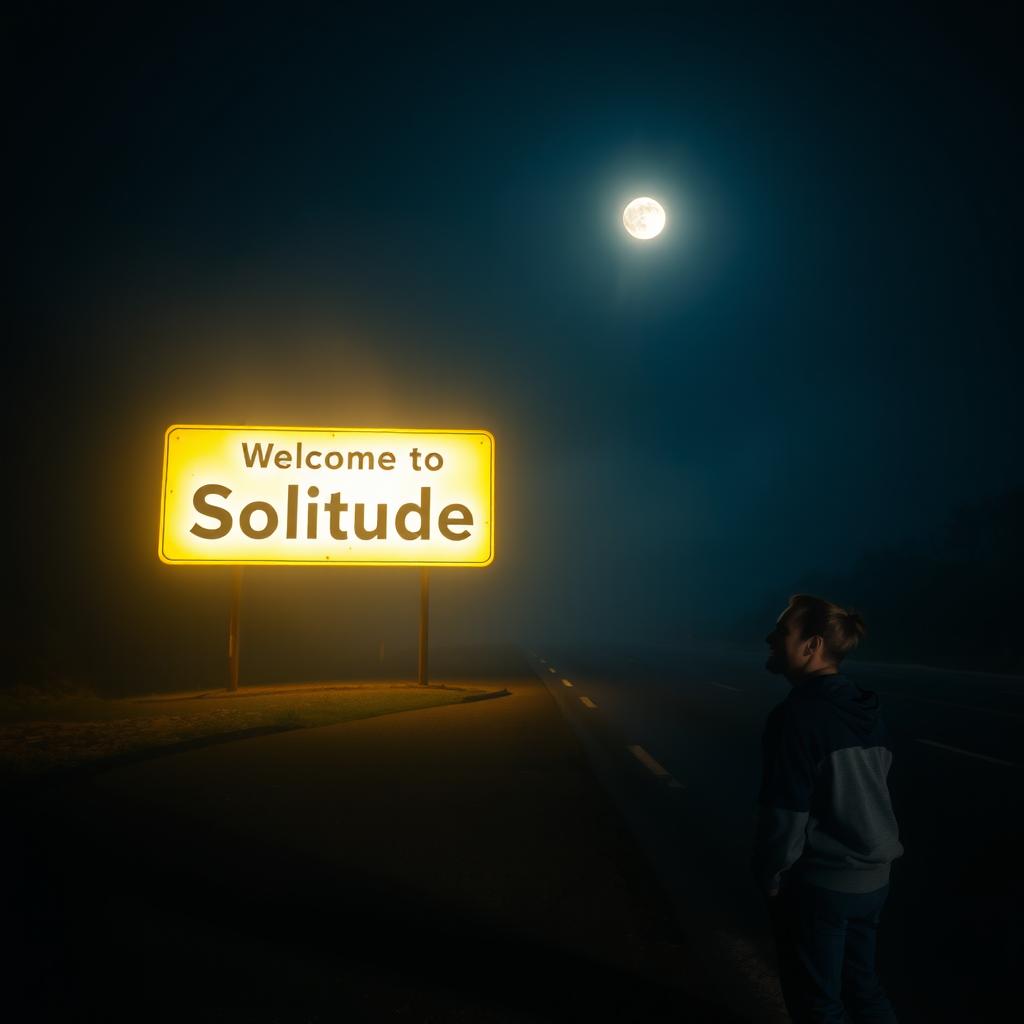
<point>826,834</point>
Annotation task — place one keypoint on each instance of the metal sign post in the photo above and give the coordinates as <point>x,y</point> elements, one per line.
<point>424,622</point>
<point>270,495</point>
<point>234,623</point>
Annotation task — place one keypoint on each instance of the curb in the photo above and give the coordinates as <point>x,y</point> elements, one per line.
<point>485,696</point>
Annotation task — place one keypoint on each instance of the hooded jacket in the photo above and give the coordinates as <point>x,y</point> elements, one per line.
<point>824,812</point>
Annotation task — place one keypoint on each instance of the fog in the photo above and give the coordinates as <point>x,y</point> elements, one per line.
<point>261,224</point>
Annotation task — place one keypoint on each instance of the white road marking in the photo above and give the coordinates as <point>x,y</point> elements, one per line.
<point>652,766</point>
<point>587,702</point>
<point>969,753</point>
<point>646,760</point>
<point>735,689</point>
<point>550,669</point>
<point>565,682</point>
<point>542,661</point>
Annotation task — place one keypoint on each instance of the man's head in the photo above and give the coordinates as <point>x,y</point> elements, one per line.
<point>811,638</point>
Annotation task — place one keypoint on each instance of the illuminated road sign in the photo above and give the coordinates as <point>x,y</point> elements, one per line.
<point>327,496</point>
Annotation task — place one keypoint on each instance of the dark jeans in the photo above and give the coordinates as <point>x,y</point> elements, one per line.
<point>826,947</point>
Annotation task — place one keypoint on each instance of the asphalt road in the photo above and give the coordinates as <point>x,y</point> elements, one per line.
<point>675,738</point>
<point>456,863</point>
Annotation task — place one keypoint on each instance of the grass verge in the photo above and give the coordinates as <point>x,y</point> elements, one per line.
<point>40,737</point>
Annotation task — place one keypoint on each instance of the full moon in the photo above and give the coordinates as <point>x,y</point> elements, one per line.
<point>644,217</point>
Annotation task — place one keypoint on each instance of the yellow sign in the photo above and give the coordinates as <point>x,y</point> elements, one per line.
<point>311,496</point>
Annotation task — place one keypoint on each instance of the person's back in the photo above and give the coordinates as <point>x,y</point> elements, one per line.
<point>845,812</point>
<point>826,833</point>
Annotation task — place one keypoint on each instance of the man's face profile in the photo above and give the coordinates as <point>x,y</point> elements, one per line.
<point>776,641</point>
<point>784,642</point>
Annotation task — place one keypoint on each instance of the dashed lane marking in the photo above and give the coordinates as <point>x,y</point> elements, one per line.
<point>969,753</point>
<point>550,669</point>
<point>646,760</point>
<point>587,702</point>
<point>735,689</point>
<point>565,682</point>
<point>653,766</point>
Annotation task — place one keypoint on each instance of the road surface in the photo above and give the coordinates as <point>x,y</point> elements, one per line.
<point>675,738</point>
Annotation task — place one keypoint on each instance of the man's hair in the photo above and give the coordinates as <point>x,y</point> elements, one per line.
<point>840,628</point>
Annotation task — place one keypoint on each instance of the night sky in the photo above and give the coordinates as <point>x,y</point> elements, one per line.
<point>415,221</point>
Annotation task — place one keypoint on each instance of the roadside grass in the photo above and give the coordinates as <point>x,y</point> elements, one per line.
<point>43,736</point>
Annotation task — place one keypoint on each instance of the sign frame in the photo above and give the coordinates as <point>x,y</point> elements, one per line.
<point>327,561</point>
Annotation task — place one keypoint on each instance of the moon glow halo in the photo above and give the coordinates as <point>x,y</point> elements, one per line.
<point>644,217</point>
